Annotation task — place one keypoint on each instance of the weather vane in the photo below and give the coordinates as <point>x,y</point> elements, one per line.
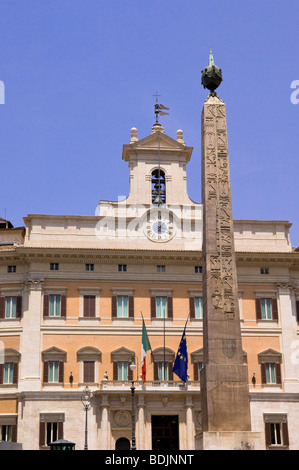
<point>159,108</point>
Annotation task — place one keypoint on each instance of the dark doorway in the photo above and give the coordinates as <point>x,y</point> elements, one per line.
<point>165,432</point>
<point>122,444</point>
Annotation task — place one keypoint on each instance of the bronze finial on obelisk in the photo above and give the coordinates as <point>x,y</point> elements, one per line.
<point>224,378</point>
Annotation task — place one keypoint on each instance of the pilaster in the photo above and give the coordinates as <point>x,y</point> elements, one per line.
<point>30,367</point>
<point>290,343</point>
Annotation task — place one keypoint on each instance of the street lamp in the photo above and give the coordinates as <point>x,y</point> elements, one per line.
<point>133,367</point>
<point>85,399</point>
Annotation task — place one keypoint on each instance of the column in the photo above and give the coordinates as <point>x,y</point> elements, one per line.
<point>190,428</point>
<point>140,445</point>
<point>105,424</point>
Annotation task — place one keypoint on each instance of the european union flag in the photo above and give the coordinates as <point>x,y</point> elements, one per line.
<point>181,361</point>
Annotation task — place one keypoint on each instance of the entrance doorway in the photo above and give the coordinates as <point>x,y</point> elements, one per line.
<point>165,432</point>
<point>122,444</point>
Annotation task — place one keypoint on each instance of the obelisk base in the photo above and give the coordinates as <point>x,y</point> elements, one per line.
<point>230,440</point>
<point>225,398</point>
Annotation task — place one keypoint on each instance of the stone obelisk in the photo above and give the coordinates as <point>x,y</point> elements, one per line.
<point>224,378</point>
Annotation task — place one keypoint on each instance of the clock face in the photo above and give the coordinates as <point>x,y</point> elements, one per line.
<point>159,226</point>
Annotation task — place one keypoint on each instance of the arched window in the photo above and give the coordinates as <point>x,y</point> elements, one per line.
<point>158,187</point>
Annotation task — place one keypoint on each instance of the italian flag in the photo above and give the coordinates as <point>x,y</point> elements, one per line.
<point>145,346</point>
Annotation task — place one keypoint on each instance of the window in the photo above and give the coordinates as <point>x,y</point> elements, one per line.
<point>11,269</point>
<point>53,366</point>
<point>89,306</point>
<point>8,371</point>
<point>6,432</point>
<point>52,432</point>
<point>122,306</point>
<point>50,428</point>
<point>264,270</point>
<point>161,269</point>
<point>196,307</point>
<point>161,307</point>
<point>55,305</point>
<point>122,370</point>
<point>276,431</point>
<point>54,266</point>
<point>53,372</point>
<point>270,373</point>
<point>198,304</point>
<point>266,309</point>
<point>88,371</point>
<point>163,371</point>
<point>10,307</point>
<point>266,306</point>
<point>122,267</point>
<point>198,269</point>
<point>89,267</point>
<point>270,361</point>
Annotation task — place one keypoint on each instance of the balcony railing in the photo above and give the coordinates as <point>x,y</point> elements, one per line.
<point>150,385</point>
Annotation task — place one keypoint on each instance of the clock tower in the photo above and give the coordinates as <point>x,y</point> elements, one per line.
<point>157,213</point>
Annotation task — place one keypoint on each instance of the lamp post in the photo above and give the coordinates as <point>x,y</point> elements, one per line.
<point>85,399</point>
<point>133,367</point>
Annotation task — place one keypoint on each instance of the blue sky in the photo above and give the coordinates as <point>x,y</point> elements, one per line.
<point>78,74</point>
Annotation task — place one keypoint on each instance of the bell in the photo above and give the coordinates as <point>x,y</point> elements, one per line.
<point>158,200</point>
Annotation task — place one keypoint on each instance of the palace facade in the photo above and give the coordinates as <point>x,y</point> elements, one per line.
<point>74,291</point>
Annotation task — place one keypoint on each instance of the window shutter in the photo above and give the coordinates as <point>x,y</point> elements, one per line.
<point>115,368</point>
<point>1,373</point>
<point>114,307</point>
<point>88,371</point>
<point>60,429</point>
<point>195,366</point>
<point>92,306</point>
<point>263,372</point>
<point>192,307</point>
<point>42,433</point>
<point>297,310</point>
<point>131,306</point>
<point>130,372</point>
<point>2,307</point>
<point>153,307</point>
<point>19,307</point>
<point>258,309</point>
<point>278,373</point>
<point>170,373</point>
<point>46,305</point>
<point>61,372</point>
<point>14,433</point>
<point>15,372</point>
<point>156,375</point>
<point>274,309</point>
<point>268,433</point>
<point>89,307</point>
<point>63,305</point>
<point>46,372</point>
<point>86,306</point>
<point>285,434</point>
<point>169,308</point>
